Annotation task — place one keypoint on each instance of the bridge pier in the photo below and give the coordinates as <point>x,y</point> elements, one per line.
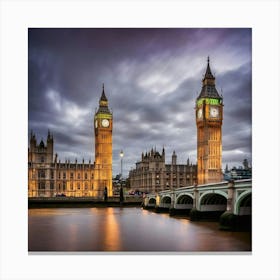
<point>195,213</point>
<point>228,220</point>
<point>172,210</point>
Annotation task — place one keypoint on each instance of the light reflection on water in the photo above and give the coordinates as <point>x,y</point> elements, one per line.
<point>126,229</point>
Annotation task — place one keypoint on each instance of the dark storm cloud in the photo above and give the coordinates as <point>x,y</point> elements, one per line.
<point>152,78</point>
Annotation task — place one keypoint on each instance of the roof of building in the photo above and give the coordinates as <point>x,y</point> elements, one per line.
<point>209,89</point>
<point>103,103</point>
<point>42,145</point>
<point>103,96</point>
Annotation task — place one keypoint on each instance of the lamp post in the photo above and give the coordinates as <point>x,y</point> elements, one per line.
<point>121,190</point>
<point>121,155</point>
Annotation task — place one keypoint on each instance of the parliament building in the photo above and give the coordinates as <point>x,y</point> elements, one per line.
<point>48,177</point>
<point>152,175</point>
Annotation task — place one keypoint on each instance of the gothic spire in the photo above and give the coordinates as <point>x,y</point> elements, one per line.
<point>208,73</point>
<point>103,96</point>
<point>103,103</point>
<point>208,84</point>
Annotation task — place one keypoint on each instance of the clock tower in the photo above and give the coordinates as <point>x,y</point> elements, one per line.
<point>103,128</point>
<point>209,119</point>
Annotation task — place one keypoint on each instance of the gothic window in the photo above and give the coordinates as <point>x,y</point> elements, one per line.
<point>51,186</point>
<point>79,176</point>
<point>58,175</point>
<point>78,186</point>
<point>71,186</point>
<point>52,174</point>
<point>85,176</point>
<point>41,173</point>
<point>42,159</point>
<point>64,175</point>
<point>71,175</point>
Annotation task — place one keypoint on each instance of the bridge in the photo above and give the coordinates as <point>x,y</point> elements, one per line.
<point>230,200</point>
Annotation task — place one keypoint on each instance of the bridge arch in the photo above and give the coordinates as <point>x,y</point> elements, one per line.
<point>165,201</point>
<point>184,201</point>
<point>152,201</point>
<point>183,197</point>
<point>213,201</point>
<point>243,204</point>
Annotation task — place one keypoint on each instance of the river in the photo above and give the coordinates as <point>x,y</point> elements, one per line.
<point>126,230</point>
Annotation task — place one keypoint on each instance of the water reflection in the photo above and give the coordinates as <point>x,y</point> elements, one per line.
<point>126,229</point>
<point>111,231</point>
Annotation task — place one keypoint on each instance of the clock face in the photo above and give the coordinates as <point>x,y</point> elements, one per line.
<point>199,113</point>
<point>96,124</point>
<point>214,112</point>
<point>105,123</point>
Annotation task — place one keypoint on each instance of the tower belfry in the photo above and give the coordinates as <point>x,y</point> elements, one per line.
<point>209,119</point>
<point>103,128</point>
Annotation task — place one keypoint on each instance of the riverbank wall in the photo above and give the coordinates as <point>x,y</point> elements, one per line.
<point>69,202</point>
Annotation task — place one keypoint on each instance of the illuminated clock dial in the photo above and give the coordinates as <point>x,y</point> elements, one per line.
<point>199,113</point>
<point>96,123</point>
<point>105,123</point>
<point>214,112</point>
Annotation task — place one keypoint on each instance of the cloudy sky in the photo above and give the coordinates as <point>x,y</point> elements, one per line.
<point>152,78</point>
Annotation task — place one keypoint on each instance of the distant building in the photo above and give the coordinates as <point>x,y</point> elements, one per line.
<point>153,175</point>
<point>242,172</point>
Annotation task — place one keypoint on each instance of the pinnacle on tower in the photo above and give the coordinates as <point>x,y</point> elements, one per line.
<point>103,103</point>
<point>208,85</point>
<point>103,96</point>
<point>208,73</point>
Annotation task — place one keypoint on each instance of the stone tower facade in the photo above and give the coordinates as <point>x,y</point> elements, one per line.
<point>209,119</point>
<point>40,166</point>
<point>103,128</point>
